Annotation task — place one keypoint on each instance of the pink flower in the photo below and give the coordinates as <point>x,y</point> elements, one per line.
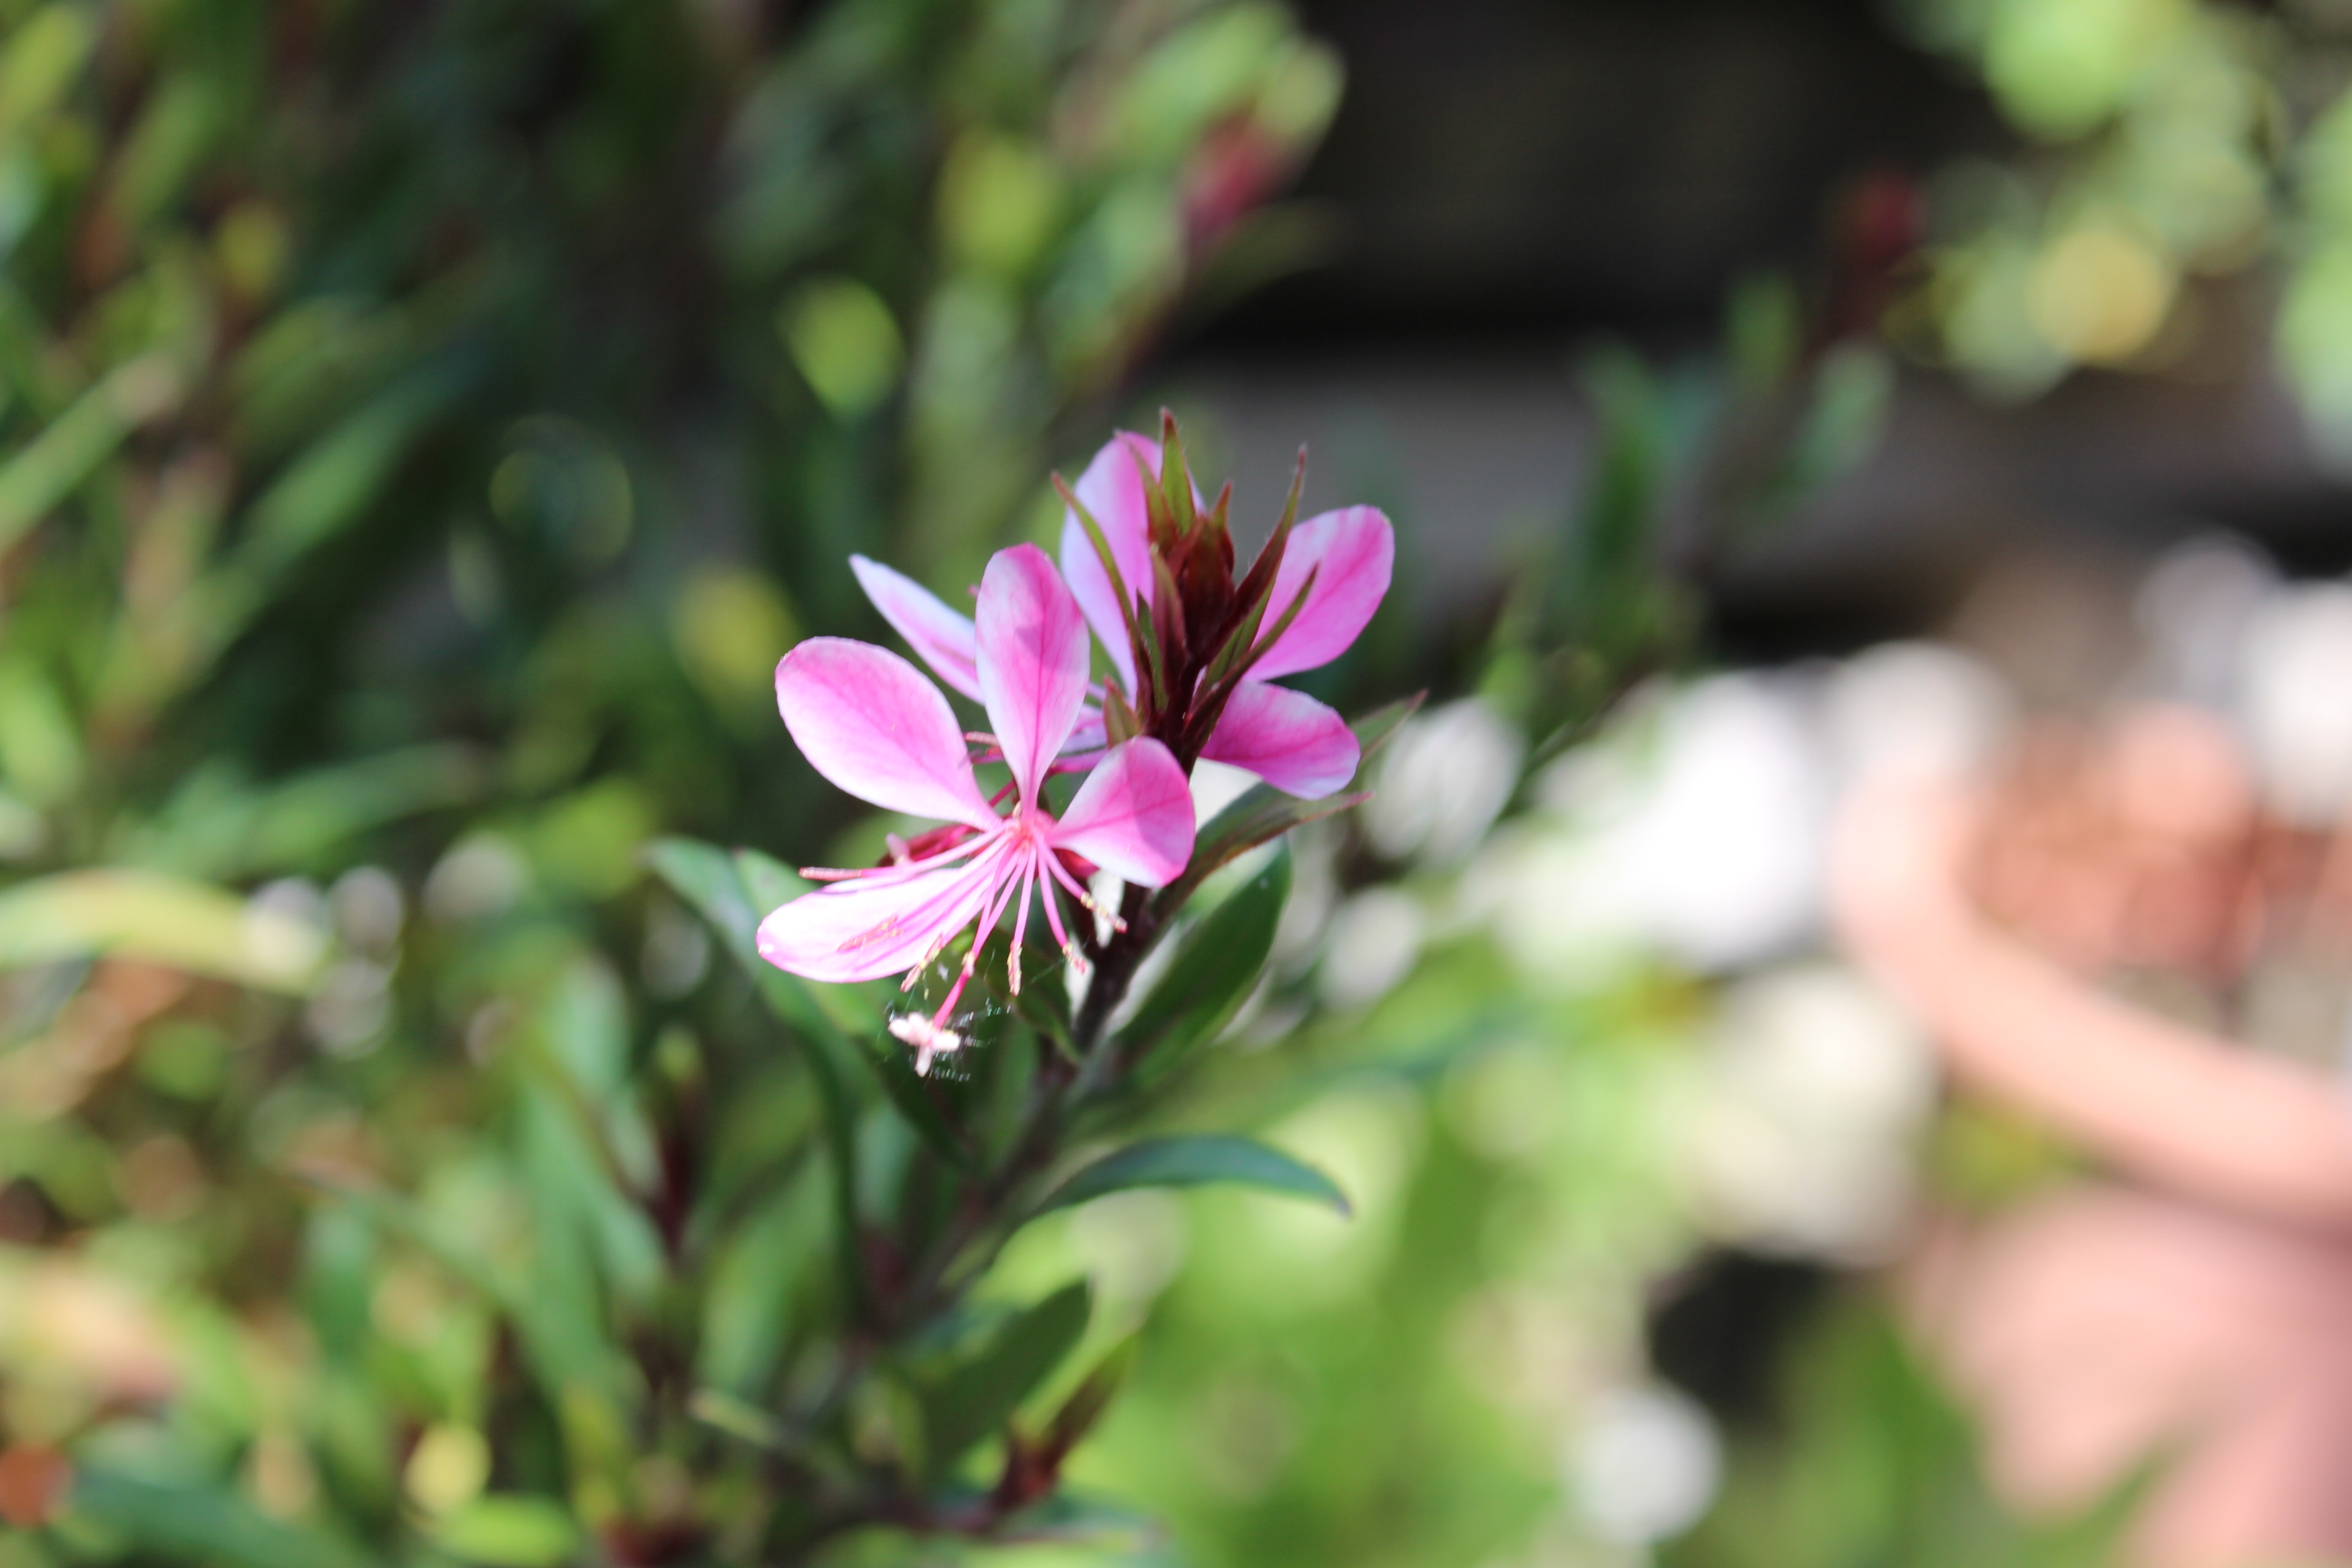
<point>1286,738</point>
<point>868,722</point>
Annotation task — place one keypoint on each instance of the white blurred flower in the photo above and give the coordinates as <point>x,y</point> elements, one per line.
<point>285,925</point>
<point>1707,849</point>
<point>1369,945</point>
<point>2296,688</point>
<point>1446,776</point>
<point>1313,891</point>
<point>677,954</point>
<point>1913,708</point>
<point>481,875</point>
<point>1809,1101</point>
<point>2194,606</point>
<point>1216,786</point>
<point>348,1013</point>
<point>367,908</point>
<point>1645,1465</point>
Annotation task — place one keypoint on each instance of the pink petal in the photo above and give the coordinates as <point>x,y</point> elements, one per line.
<point>1133,817</point>
<point>1286,738</point>
<point>1112,493</point>
<point>864,929</point>
<point>1356,549</point>
<point>1033,660</point>
<point>867,719</point>
<point>939,637</point>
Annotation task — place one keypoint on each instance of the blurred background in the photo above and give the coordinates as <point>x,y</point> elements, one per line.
<point>424,425</point>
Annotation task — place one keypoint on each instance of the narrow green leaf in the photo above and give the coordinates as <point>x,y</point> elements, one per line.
<point>509,1531</point>
<point>711,883</point>
<point>163,919</point>
<point>976,1397</point>
<point>1193,1161</point>
<point>342,474</point>
<point>192,1523</point>
<point>46,470</point>
<point>1175,476</point>
<point>769,883</point>
<point>216,826</point>
<point>840,1017</point>
<point>1215,966</point>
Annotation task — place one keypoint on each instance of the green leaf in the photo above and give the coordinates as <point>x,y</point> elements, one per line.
<point>1263,812</point>
<point>214,828</point>
<point>509,1531</point>
<point>976,1397</point>
<point>338,478</point>
<point>1194,1160</point>
<point>712,884</point>
<point>769,884</point>
<point>748,1302</point>
<point>1215,966</point>
<point>1096,1523</point>
<point>190,1522</point>
<point>45,470</point>
<point>163,919</point>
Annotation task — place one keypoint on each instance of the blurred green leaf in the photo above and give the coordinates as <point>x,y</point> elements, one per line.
<point>748,1304</point>
<point>44,53</point>
<point>161,920</point>
<point>342,474</point>
<point>964,1405</point>
<point>509,1531</point>
<point>1215,966</point>
<point>1192,1160</point>
<point>41,750</point>
<point>711,883</point>
<point>192,1523</point>
<point>45,471</point>
<point>217,825</point>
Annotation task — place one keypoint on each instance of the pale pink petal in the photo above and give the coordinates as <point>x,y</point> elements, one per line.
<point>1355,550</point>
<point>1089,735</point>
<point>864,929</point>
<point>867,719</point>
<point>1033,660</point>
<point>1112,493</point>
<point>939,637</point>
<point>1286,738</point>
<point>1133,817</point>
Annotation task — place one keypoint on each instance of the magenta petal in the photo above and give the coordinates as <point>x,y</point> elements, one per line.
<point>1112,493</point>
<point>1355,550</point>
<point>1133,817</point>
<point>864,929</point>
<point>941,638</point>
<point>1033,660</point>
<point>1286,738</point>
<point>867,719</point>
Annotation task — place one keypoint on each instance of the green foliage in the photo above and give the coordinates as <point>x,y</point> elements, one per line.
<point>421,428</point>
<point>962,1403</point>
<point>1196,1161</point>
<point>421,431</point>
<point>1215,967</point>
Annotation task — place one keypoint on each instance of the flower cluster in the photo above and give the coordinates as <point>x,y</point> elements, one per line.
<point>1192,652</point>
